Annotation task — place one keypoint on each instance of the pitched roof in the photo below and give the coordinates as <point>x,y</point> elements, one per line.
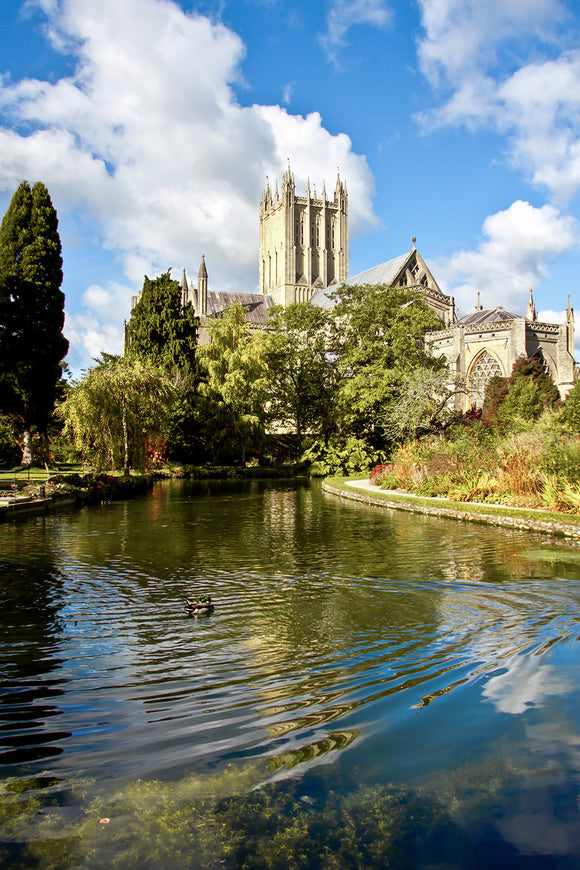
<point>384,273</point>
<point>255,304</point>
<point>488,315</point>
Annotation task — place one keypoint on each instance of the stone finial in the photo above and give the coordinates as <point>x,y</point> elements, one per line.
<point>569,311</point>
<point>531,312</point>
<point>414,241</point>
<point>478,306</point>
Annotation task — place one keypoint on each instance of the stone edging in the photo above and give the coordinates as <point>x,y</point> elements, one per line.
<point>554,528</point>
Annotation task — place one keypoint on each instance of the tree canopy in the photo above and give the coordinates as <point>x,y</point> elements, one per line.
<point>378,337</point>
<point>162,329</point>
<point>31,309</point>
<point>115,410</point>
<point>302,379</point>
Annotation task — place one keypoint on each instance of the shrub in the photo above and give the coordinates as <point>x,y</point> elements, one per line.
<point>340,457</point>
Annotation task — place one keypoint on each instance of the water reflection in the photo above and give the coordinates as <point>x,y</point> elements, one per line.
<point>379,646</point>
<point>30,683</point>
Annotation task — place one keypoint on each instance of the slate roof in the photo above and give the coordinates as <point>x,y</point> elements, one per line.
<point>488,315</point>
<point>384,273</point>
<point>255,304</point>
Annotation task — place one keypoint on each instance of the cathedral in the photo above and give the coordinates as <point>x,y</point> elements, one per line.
<point>303,257</point>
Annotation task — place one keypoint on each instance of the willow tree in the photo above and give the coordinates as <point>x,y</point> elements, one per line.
<point>232,373</point>
<point>31,310</point>
<point>115,410</point>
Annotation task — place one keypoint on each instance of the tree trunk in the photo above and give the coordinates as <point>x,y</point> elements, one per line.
<point>125,445</point>
<point>26,448</point>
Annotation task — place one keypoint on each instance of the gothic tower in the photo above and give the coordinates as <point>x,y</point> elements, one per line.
<point>303,241</point>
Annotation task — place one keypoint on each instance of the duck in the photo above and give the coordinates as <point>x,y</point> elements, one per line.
<point>201,607</point>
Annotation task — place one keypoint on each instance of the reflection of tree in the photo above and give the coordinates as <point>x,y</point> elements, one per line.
<point>30,600</point>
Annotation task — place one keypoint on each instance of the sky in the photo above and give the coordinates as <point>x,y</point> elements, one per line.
<point>155,126</point>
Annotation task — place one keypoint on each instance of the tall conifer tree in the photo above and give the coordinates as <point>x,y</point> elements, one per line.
<point>161,329</point>
<point>31,309</point>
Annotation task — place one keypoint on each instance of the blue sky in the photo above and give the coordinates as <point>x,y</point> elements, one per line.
<point>155,124</point>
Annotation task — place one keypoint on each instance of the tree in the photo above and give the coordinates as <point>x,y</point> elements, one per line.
<point>378,336</point>
<point>232,370</point>
<point>31,310</point>
<point>162,329</point>
<point>302,377</point>
<point>571,410</point>
<point>422,406</point>
<point>523,396</point>
<point>115,410</point>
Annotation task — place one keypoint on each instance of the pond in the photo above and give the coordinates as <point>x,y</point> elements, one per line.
<point>373,689</point>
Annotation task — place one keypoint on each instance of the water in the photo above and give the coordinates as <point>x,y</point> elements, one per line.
<point>374,688</point>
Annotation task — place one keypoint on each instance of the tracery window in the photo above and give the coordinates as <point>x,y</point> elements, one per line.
<point>542,362</point>
<point>484,369</point>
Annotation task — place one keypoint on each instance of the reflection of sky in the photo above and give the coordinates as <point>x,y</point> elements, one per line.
<point>525,682</point>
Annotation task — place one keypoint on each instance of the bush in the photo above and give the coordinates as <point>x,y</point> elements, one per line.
<point>340,457</point>
<point>384,476</point>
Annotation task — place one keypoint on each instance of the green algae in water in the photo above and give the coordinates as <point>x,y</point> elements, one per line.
<point>234,820</point>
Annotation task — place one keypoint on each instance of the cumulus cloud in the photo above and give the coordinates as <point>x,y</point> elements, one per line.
<point>345,14</point>
<point>514,255</point>
<point>534,101</point>
<point>148,138</point>
<point>524,683</point>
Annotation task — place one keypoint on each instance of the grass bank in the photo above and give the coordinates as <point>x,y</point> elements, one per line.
<point>551,522</point>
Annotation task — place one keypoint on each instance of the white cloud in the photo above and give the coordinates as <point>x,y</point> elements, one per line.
<point>475,52</point>
<point>518,246</point>
<point>524,683</point>
<point>147,137</point>
<point>463,36</point>
<point>344,14</point>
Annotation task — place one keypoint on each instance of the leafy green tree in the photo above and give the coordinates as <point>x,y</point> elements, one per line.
<point>162,329</point>
<point>378,336</point>
<point>233,370</point>
<point>522,397</point>
<point>31,310</point>
<point>116,409</point>
<point>302,371</point>
<point>422,406</point>
<point>571,411</point>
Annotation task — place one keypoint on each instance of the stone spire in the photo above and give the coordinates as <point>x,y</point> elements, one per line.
<point>184,289</point>
<point>531,312</point>
<point>478,305</point>
<point>202,288</point>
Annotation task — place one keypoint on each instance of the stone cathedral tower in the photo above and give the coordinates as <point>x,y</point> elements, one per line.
<point>303,241</point>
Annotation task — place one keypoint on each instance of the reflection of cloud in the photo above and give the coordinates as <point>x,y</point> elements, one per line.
<point>525,682</point>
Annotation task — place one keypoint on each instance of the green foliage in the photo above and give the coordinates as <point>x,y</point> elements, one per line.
<point>161,329</point>
<point>523,402</point>
<point>378,338</point>
<point>422,406</point>
<point>570,415</point>
<point>230,409</point>
<point>31,307</point>
<point>115,409</point>
<point>302,377</point>
<point>340,456</point>
<point>512,404</point>
<point>562,459</point>
<point>9,447</point>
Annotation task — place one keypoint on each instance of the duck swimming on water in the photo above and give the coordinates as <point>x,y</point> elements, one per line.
<point>201,607</point>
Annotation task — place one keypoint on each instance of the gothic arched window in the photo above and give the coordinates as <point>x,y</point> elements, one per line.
<point>483,370</point>
<point>540,358</point>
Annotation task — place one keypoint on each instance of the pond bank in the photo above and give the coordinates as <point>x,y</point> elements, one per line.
<point>563,525</point>
<point>70,490</point>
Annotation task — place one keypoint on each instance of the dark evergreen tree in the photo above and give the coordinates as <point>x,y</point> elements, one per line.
<point>162,330</point>
<point>31,310</point>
